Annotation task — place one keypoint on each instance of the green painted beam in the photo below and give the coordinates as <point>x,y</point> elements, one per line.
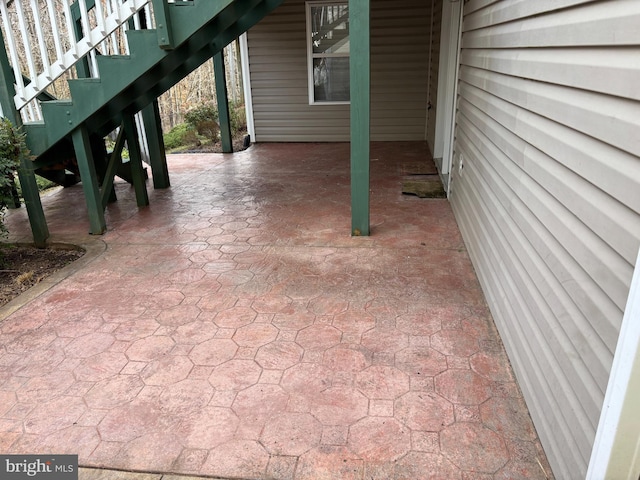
<point>157,153</point>
<point>87,168</point>
<point>135,159</point>
<point>223,102</point>
<point>360,78</point>
<point>26,173</point>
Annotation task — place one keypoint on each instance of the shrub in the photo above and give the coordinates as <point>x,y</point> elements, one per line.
<point>238,117</point>
<point>181,135</point>
<point>205,120</point>
<point>12,146</point>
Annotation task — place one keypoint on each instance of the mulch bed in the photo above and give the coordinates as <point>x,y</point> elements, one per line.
<point>23,266</point>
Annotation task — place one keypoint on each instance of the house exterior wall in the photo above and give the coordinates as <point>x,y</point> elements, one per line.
<point>546,190</point>
<point>399,76</point>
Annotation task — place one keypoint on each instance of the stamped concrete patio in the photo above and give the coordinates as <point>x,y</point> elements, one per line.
<point>235,329</point>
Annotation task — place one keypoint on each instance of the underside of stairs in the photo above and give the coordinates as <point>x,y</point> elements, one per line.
<point>67,144</point>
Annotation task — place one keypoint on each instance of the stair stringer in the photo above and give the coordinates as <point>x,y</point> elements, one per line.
<point>129,83</point>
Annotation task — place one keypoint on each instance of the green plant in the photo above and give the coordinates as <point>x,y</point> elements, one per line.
<point>181,135</point>
<point>205,120</point>
<point>12,146</point>
<point>238,118</point>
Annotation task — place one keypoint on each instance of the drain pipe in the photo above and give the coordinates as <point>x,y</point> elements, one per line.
<point>246,86</point>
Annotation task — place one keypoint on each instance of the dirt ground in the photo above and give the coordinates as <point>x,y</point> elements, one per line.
<point>22,266</point>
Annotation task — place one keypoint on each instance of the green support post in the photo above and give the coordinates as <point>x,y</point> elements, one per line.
<point>32,201</point>
<point>223,103</point>
<point>87,168</point>
<point>360,85</point>
<point>26,172</point>
<point>135,159</point>
<point>157,153</point>
<point>108,193</point>
<point>82,67</point>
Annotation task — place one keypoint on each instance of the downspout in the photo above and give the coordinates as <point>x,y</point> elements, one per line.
<point>246,85</point>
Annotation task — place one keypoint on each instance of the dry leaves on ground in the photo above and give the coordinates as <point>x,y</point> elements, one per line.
<point>23,266</point>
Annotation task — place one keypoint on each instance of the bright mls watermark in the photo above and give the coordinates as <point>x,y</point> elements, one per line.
<point>49,467</point>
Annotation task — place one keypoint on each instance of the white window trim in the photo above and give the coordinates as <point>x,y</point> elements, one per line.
<point>310,54</point>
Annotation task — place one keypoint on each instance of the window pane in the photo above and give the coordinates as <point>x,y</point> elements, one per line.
<point>330,29</point>
<point>331,79</point>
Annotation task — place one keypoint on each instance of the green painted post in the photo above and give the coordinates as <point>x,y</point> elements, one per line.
<point>157,153</point>
<point>108,193</point>
<point>87,168</point>
<point>360,78</point>
<point>82,67</point>
<point>26,173</point>
<point>31,196</point>
<point>135,159</point>
<point>223,103</point>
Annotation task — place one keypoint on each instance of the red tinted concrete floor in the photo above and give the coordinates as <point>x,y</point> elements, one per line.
<point>234,328</point>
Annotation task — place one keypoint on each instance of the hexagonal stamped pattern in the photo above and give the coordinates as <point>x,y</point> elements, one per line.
<point>291,434</point>
<point>424,411</point>
<point>419,324</point>
<point>472,446</point>
<point>339,406</point>
<point>318,337</point>
<point>382,382</point>
<point>213,352</point>
<point>379,439</point>
<point>422,361</point>
<point>235,375</point>
<point>463,386</point>
<point>279,355</point>
<point>255,335</point>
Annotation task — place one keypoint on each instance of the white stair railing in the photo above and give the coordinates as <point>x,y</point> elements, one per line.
<point>41,40</point>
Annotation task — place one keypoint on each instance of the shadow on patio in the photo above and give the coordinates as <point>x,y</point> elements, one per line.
<point>234,328</point>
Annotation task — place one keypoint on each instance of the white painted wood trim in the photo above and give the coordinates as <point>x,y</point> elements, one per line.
<point>428,110</point>
<point>447,83</point>
<point>246,85</point>
<point>616,450</point>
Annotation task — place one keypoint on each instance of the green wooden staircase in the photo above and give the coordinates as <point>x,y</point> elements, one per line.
<point>188,33</point>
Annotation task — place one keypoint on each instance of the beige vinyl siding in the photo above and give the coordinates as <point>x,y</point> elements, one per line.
<point>399,76</point>
<point>548,196</point>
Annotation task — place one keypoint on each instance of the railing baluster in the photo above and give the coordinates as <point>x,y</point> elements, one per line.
<point>100,19</point>
<point>84,21</point>
<point>55,33</point>
<point>46,66</point>
<point>73,50</point>
<point>13,52</point>
<point>115,48</point>
<point>27,44</point>
<point>47,62</point>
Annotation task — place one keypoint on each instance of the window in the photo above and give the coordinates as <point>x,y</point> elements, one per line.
<point>328,52</point>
